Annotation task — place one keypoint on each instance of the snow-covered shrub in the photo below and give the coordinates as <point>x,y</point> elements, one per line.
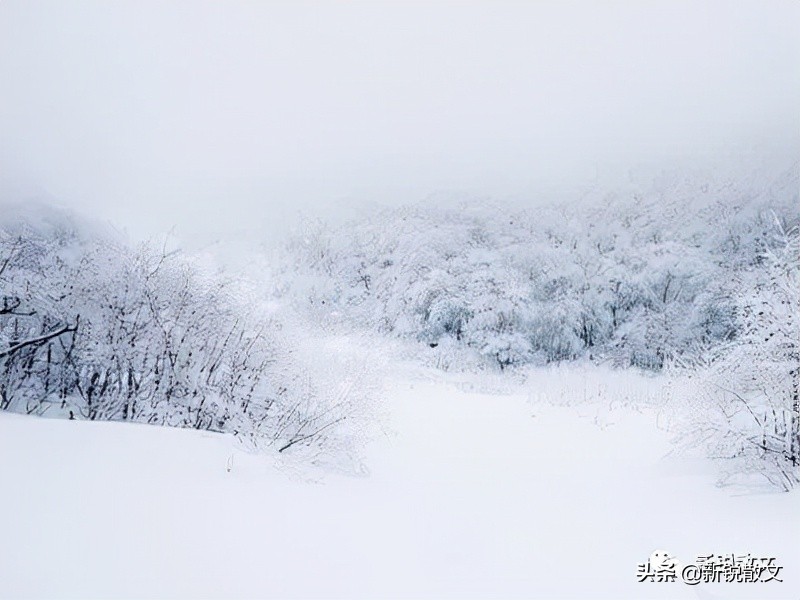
<point>747,389</point>
<point>92,329</point>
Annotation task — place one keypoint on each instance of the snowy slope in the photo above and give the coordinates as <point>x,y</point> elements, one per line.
<point>470,496</point>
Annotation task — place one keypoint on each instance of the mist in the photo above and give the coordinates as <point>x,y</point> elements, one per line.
<point>227,119</point>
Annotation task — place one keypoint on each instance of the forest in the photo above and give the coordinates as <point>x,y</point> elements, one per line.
<point>687,278</point>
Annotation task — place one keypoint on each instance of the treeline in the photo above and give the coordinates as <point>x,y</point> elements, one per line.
<point>639,280</point>
<point>91,328</point>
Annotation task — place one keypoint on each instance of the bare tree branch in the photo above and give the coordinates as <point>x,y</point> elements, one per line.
<point>38,340</point>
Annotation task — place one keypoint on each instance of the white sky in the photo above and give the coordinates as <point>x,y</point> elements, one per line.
<point>224,117</point>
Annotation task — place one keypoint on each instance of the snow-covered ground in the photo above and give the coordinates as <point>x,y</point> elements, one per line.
<point>470,495</point>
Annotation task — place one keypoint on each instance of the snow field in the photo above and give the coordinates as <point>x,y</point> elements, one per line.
<point>470,495</point>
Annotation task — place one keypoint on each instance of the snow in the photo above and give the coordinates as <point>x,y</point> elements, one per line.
<point>469,495</point>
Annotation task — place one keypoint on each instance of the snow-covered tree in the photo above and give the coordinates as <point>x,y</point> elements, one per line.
<point>750,385</point>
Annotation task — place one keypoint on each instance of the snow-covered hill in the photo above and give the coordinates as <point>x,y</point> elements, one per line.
<point>470,495</point>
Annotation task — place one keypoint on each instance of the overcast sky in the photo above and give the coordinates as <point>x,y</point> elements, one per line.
<point>218,117</point>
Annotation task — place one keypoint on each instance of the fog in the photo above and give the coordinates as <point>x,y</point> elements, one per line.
<point>227,118</point>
